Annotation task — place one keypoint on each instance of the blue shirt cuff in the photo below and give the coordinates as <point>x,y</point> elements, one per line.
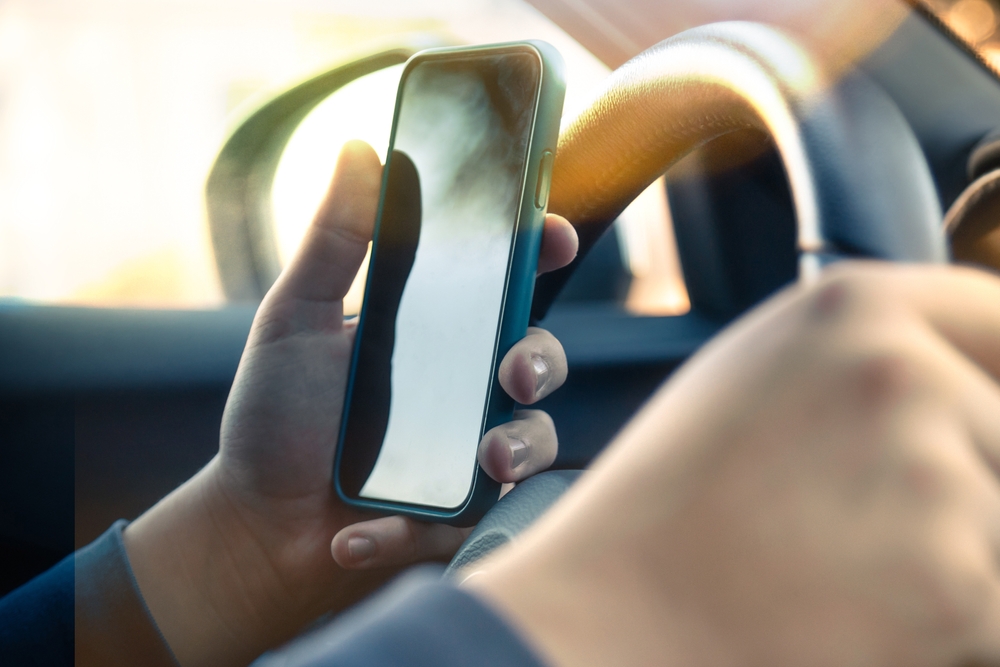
<point>421,620</point>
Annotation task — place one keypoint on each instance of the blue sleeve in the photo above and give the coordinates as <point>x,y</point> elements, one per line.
<point>421,620</point>
<point>87,610</point>
<point>36,620</point>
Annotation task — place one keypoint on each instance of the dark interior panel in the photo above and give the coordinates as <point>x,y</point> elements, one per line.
<point>36,486</point>
<point>134,448</point>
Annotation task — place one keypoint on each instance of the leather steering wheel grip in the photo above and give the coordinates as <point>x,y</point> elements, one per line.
<point>513,513</point>
<point>859,182</point>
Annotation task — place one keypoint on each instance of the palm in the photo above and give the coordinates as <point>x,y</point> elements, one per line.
<point>281,422</point>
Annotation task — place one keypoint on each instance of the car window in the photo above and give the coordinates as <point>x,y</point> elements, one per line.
<point>112,111</point>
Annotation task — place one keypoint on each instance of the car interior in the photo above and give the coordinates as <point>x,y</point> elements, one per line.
<point>712,152</point>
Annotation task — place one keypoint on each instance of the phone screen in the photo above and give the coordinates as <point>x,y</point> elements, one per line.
<point>435,292</point>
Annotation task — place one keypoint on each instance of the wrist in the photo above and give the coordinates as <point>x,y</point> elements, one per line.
<point>221,583</point>
<point>188,571</point>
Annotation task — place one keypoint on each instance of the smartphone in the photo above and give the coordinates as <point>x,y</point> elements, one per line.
<point>452,270</point>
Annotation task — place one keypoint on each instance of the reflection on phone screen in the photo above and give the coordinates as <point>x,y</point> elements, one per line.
<point>439,268</point>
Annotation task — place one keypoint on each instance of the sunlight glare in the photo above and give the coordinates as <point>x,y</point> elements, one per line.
<point>360,110</point>
<point>645,233</point>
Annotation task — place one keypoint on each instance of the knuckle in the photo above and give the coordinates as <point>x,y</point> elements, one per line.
<point>840,292</point>
<point>925,482</point>
<point>882,378</point>
<point>866,291</point>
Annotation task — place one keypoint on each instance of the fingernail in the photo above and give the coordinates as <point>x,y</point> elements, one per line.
<point>541,373</point>
<point>360,548</point>
<point>518,452</point>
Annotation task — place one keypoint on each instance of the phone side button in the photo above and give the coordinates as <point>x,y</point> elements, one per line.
<point>544,180</point>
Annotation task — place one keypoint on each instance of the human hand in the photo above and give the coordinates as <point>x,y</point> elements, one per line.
<point>239,558</point>
<point>819,486</point>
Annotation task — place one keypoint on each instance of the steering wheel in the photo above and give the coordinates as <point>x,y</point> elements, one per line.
<point>859,183</point>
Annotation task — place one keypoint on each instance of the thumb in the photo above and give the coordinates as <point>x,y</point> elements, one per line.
<point>336,242</point>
